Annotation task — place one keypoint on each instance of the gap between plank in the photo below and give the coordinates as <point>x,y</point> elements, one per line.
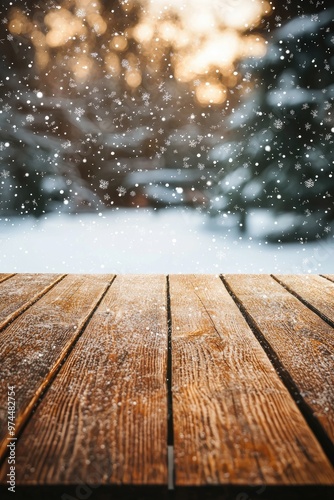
<point>7,277</point>
<point>44,390</point>
<point>312,421</point>
<point>304,301</point>
<point>170,427</point>
<point>326,278</point>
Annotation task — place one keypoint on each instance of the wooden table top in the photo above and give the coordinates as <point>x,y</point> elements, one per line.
<point>186,386</point>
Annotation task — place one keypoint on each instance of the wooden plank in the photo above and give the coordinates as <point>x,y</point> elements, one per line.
<point>234,420</point>
<point>5,276</point>
<point>103,420</point>
<point>18,293</point>
<point>313,290</point>
<point>303,342</point>
<point>33,346</point>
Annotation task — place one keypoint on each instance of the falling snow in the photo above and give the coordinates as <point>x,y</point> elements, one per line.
<point>108,110</point>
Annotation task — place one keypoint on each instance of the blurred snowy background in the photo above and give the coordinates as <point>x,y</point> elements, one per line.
<point>166,136</point>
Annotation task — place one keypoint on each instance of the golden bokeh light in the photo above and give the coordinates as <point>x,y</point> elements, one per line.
<point>112,64</point>
<point>212,93</point>
<point>62,26</point>
<point>204,40</point>
<point>133,78</point>
<point>119,43</point>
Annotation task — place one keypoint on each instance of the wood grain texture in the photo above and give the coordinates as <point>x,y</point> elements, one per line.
<point>22,290</point>
<point>5,276</point>
<point>104,419</point>
<point>34,344</point>
<point>315,291</point>
<point>303,342</point>
<point>234,420</point>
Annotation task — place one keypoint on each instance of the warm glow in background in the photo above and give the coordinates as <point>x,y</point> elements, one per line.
<point>203,39</point>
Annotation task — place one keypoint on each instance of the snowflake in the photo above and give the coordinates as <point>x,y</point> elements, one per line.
<point>192,143</point>
<point>298,166</point>
<point>79,112</point>
<point>145,96</point>
<point>201,166</point>
<point>305,105</point>
<point>160,131</point>
<point>10,37</point>
<point>81,13</point>
<point>166,97</point>
<point>106,197</point>
<point>125,64</point>
<point>307,126</point>
<point>5,174</point>
<point>30,118</point>
<point>121,190</point>
<point>104,184</point>
<point>327,229</point>
<point>7,107</point>
<point>309,183</point>
<point>278,124</point>
<point>66,144</point>
<point>314,113</point>
<point>328,136</point>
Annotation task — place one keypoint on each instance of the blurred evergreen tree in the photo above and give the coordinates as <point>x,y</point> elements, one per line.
<point>279,152</point>
<point>34,176</point>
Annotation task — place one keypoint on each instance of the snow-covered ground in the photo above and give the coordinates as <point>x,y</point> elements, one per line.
<point>145,241</point>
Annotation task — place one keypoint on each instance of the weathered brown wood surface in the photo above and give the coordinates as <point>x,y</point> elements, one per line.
<point>5,276</point>
<point>315,291</point>
<point>21,291</point>
<point>243,365</point>
<point>35,343</point>
<point>237,407</point>
<point>303,342</point>
<point>108,404</point>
